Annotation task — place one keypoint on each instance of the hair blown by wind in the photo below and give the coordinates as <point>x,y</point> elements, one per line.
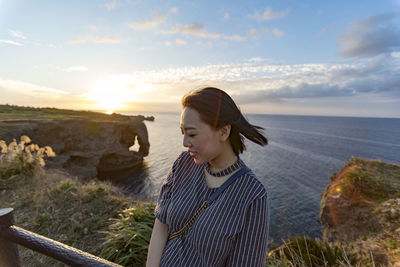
<point>217,109</point>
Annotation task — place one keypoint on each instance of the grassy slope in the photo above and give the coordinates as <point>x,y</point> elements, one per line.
<point>370,189</point>
<point>58,206</point>
<point>11,112</point>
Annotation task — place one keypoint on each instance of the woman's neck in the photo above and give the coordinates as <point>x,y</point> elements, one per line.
<point>224,160</point>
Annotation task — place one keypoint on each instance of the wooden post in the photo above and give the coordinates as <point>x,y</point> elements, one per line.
<point>9,255</point>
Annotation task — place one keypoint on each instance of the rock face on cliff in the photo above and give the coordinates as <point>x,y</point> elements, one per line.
<point>361,209</point>
<point>86,146</point>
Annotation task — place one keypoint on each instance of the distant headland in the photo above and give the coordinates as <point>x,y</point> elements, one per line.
<point>88,144</point>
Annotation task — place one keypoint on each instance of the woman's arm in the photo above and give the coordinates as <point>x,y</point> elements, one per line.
<point>157,244</point>
<point>250,248</point>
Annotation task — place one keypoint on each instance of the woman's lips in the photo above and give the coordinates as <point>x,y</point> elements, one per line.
<point>192,154</point>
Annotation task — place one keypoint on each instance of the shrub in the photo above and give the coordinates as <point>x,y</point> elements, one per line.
<point>306,251</point>
<point>128,237</point>
<point>22,158</point>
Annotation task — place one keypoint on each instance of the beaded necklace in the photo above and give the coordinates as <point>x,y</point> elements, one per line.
<point>239,163</point>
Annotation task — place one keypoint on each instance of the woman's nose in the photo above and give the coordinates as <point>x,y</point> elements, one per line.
<point>186,142</point>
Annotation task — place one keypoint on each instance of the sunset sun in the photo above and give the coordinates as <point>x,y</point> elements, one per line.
<point>109,97</point>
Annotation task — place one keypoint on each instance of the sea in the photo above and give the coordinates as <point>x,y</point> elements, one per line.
<point>296,166</point>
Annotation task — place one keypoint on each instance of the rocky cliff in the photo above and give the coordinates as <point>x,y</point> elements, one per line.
<point>361,209</point>
<point>87,144</point>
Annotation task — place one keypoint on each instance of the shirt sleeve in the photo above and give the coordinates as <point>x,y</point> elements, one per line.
<point>164,198</point>
<point>250,248</point>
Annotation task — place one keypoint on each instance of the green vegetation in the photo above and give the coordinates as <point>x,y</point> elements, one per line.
<point>305,251</point>
<point>12,113</point>
<point>59,206</point>
<point>128,236</point>
<point>362,207</point>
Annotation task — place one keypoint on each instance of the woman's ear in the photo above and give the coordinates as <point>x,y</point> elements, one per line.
<point>225,131</point>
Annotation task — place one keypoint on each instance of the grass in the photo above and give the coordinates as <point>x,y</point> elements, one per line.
<point>128,236</point>
<point>13,113</point>
<point>360,199</point>
<point>306,251</point>
<point>59,206</point>
<point>62,208</point>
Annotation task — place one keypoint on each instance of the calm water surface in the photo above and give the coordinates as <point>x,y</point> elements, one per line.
<point>296,166</point>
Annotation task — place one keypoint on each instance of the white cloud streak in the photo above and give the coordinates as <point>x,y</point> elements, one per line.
<point>198,30</point>
<point>180,42</point>
<point>269,14</point>
<point>17,34</point>
<point>30,88</point>
<point>112,39</point>
<point>75,69</point>
<point>148,24</point>
<point>10,42</point>
<point>112,4</point>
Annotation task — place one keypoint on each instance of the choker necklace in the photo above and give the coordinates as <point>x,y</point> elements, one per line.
<point>224,172</point>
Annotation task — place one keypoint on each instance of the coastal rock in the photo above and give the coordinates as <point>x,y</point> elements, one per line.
<point>87,145</point>
<point>361,207</point>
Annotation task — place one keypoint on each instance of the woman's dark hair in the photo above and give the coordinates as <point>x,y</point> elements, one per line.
<point>217,109</point>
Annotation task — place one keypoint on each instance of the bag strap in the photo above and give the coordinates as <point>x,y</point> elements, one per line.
<point>209,201</point>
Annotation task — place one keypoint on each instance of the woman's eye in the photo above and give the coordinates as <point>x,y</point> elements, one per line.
<point>192,135</point>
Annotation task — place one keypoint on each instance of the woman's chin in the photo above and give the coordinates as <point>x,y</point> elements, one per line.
<point>198,161</point>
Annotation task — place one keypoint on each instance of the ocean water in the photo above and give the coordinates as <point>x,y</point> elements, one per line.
<point>295,167</point>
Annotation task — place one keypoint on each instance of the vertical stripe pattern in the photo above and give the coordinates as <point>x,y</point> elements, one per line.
<point>233,231</point>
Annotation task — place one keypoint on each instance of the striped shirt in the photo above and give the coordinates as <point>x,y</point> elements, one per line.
<point>233,231</point>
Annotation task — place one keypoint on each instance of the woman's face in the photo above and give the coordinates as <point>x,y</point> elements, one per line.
<point>202,141</point>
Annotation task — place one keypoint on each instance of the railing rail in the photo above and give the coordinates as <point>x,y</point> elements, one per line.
<point>10,235</point>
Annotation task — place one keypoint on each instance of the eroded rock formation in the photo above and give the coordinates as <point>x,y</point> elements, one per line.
<point>86,147</point>
<point>361,209</point>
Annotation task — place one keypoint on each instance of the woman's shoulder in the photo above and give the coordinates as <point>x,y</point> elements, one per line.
<point>252,185</point>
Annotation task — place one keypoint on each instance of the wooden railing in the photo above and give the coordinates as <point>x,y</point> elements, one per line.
<point>11,235</point>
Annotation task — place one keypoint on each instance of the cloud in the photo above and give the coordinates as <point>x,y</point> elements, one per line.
<point>10,42</point>
<point>75,69</point>
<point>180,42</point>
<point>370,37</point>
<point>303,90</point>
<point>112,4</point>
<point>268,14</point>
<point>192,29</point>
<point>168,43</point>
<point>226,16</point>
<point>17,34</point>
<point>255,59</point>
<point>30,88</point>
<point>256,82</point>
<point>277,32</point>
<point>112,39</point>
<point>198,30</point>
<point>173,10</point>
<point>147,24</point>
<point>327,29</point>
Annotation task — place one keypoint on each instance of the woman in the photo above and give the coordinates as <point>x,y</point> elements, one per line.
<point>233,229</point>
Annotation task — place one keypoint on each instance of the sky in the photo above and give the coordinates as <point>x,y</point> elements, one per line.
<point>334,58</point>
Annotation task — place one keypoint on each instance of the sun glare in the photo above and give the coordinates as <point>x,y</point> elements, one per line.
<point>109,96</point>
<point>115,93</point>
